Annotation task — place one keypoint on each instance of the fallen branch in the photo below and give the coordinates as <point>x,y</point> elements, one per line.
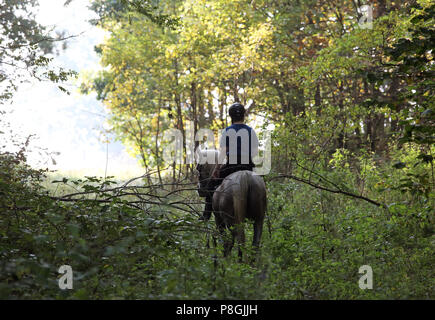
<point>337,191</point>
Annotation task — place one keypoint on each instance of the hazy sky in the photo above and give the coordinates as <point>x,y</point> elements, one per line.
<point>71,124</point>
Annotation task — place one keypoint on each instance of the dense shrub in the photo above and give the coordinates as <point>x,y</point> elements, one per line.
<point>313,244</point>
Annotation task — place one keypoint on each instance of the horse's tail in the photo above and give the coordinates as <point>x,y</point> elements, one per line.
<point>256,197</point>
<point>241,198</point>
<point>249,196</point>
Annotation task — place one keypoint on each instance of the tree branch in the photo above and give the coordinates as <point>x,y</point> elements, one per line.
<point>337,191</point>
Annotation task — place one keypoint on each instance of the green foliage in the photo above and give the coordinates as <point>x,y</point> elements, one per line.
<point>313,244</point>
<point>25,46</point>
<point>321,240</point>
<point>410,59</point>
<point>115,10</point>
<point>114,249</point>
<point>352,111</point>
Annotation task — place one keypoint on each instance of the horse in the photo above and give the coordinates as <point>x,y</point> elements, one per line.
<point>240,196</point>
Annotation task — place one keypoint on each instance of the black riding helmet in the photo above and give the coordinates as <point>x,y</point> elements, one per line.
<point>236,110</point>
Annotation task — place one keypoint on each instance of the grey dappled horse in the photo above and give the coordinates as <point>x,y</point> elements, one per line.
<point>241,195</point>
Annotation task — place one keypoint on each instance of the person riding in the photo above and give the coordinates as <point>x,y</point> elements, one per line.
<point>238,146</point>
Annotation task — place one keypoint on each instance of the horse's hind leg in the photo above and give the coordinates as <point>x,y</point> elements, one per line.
<point>258,229</point>
<point>228,245</point>
<point>221,226</point>
<point>239,233</point>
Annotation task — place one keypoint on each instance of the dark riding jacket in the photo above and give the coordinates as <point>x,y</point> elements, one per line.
<point>239,142</point>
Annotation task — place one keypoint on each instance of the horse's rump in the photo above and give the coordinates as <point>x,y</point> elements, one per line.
<point>241,195</point>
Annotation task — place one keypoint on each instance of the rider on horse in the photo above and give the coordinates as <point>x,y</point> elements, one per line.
<point>238,145</point>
